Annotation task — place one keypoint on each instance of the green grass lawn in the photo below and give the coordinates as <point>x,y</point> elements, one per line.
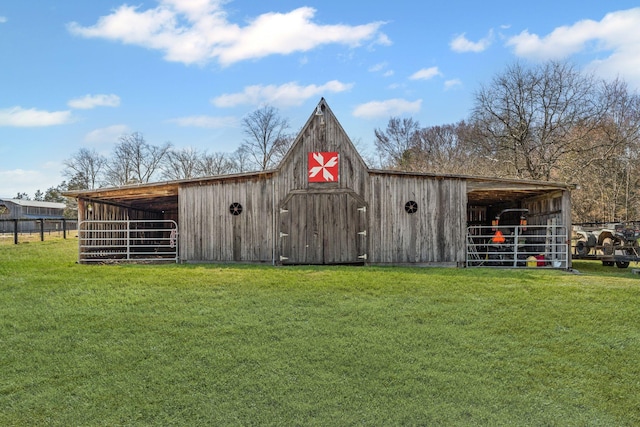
<point>261,345</point>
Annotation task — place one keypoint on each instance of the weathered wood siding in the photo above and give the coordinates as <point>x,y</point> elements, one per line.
<point>96,211</point>
<point>323,228</point>
<point>433,234</point>
<point>359,218</point>
<point>551,208</point>
<point>315,137</point>
<point>544,208</point>
<point>10,210</point>
<point>320,220</point>
<point>16,211</point>
<point>111,212</point>
<point>209,232</point>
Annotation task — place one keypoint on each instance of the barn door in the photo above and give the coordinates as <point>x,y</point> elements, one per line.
<point>323,228</point>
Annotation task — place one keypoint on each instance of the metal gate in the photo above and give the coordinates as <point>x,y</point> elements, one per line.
<point>128,240</point>
<point>518,246</point>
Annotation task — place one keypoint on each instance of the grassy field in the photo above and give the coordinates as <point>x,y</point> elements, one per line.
<point>260,345</point>
<point>9,238</point>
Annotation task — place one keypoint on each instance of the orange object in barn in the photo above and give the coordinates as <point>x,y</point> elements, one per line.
<point>498,237</point>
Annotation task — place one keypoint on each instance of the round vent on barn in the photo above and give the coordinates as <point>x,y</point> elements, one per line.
<point>235,208</point>
<point>411,207</point>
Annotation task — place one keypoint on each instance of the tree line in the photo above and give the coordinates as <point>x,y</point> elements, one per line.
<point>545,122</point>
<point>134,160</point>
<point>548,122</point>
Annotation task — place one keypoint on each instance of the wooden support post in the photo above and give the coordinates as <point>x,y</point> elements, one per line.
<point>566,220</point>
<point>64,228</point>
<point>15,231</point>
<point>41,230</point>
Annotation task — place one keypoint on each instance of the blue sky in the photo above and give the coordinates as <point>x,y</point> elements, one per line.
<point>78,73</point>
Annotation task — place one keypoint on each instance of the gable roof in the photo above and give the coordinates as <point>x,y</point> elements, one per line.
<point>323,110</point>
<point>34,203</point>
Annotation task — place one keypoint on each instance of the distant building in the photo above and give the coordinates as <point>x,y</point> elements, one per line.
<point>22,210</point>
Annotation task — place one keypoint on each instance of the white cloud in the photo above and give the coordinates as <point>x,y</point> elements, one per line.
<point>462,44</point>
<point>426,74</point>
<point>285,95</point>
<point>378,67</point>
<point>382,39</point>
<point>209,122</point>
<point>91,101</point>
<point>390,107</point>
<point>451,84</point>
<point>28,181</point>
<point>616,34</point>
<point>108,135</point>
<point>198,31</point>
<point>21,117</point>
<point>381,68</point>
<point>3,19</point>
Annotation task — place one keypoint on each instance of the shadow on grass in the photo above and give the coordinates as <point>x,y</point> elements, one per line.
<point>596,268</point>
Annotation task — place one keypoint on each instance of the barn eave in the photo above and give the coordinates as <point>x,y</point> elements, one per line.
<point>482,190</point>
<point>156,196</point>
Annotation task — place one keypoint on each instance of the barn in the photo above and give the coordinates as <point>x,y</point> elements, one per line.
<point>27,214</point>
<point>323,205</point>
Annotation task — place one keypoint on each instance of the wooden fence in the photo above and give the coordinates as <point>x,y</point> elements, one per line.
<point>38,226</point>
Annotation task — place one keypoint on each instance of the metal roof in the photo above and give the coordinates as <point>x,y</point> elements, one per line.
<point>34,203</point>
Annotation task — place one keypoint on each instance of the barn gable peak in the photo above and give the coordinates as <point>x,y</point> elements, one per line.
<point>322,139</point>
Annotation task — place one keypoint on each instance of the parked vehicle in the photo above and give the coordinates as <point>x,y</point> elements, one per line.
<point>614,244</point>
<point>504,246</point>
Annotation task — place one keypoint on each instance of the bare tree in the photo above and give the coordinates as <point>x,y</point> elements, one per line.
<point>609,177</point>
<point>282,147</point>
<point>531,118</point>
<point>241,159</point>
<point>181,164</point>
<point>265,136</point>
<point>551,122</point>
<point>396,145</point>
<point>364,151</point>
<point>625,114</point>
<point>450,149</point>
<point>134,160</point>
<point>86,168</point>
<point>216,164</point>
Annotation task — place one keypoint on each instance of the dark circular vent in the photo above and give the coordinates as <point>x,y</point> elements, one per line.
<point>411,207</point>
<point>235,208</point>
